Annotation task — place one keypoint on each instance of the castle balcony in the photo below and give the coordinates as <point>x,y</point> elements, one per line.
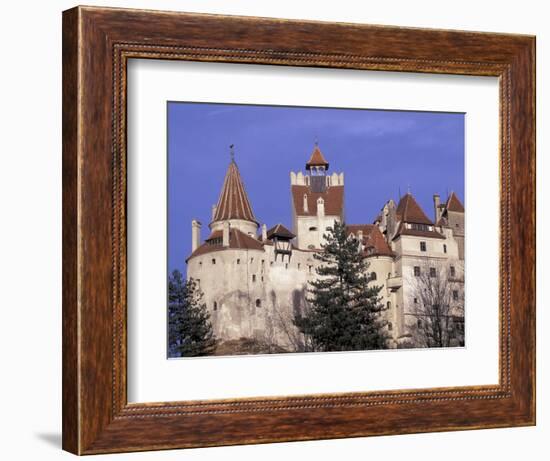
<point>394,283</point>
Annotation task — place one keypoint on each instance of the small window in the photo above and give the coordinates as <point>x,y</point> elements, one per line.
<point>286,266</point>
<point>238,261</point>
<point>312,228</point>
<point>198,282</point>
<point>263,262</point>
<point>215,306</point>
<point>213,261</point>
<point>444,248</point>
<point>200,264</point>
<point>262,278</point>
<point>251,260</point>
<point>433,272</point>
<point>271,263</point>
<point>419,323</point>
<point>299,265</point>
<point>258,303</point>
<point>415,300</point>
<point>253,277</point>
<point>388,305</point>
<point>310,268</point>
<point>455,295</point>
<point>417,271</point>
<point>390,326</point>
<point>373,276</point>
<point>453,271</point>
<point>422,246</point>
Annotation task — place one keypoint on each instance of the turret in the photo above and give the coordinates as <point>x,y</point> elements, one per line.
<point>233,204</point>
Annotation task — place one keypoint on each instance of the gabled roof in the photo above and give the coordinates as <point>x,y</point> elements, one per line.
<point>374,242</point>
<point>279,231</point>
<point>233,202</point>
<point>454,204</point>
<point>237,240</point>
<point>316,159</point>
<point>409,211</point>
<point>333,197</point>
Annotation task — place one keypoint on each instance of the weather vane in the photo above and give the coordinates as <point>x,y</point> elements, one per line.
<point>232,152</point>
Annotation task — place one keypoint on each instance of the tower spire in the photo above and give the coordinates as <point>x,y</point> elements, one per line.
<point>233,202</point>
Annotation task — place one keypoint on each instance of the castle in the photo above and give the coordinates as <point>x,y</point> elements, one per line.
<point>254,279</point>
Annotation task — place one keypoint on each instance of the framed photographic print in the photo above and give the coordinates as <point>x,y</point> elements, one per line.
<point>284,230</point>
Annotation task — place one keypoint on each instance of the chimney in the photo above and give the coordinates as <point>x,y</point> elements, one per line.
<point>360,238</point>
<point>437,201</point>
<point>195,234</point>
<point>306,209</point>
<point>225,240</point>
<point>264,232</point>
<point>214,209</point>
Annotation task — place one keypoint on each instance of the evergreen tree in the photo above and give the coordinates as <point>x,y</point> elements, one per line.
<point>345,308</point>
<point>190,332</point>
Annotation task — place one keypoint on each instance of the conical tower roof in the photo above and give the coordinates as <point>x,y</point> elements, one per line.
<point>233,202</point>
<point>317,159</point>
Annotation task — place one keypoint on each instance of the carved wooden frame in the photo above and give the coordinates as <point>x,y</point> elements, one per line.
<point>97,43</point>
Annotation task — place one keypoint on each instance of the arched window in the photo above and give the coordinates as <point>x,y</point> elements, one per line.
<point>373,276</point>
<point>215,306</point>
<point>238,261</point>
<point>213,261</point>
<point>258,303</point>
<point>419,323</point>
<point>390,326</point>
<point>388,305</point>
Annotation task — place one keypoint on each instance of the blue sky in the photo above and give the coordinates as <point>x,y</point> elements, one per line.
<point>379,152</point>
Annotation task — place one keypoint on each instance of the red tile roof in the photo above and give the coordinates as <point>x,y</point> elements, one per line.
<point>409,211</point>
<point>333,196</point>
<point>373,240</point>
<point>237,240</point>
<point>454,204</point>
<point>316,159</point>
<point>279,231</point>
<point>233,202</point>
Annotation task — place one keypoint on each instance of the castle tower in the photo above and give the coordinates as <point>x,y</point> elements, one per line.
<point>233,205</point>
<point>317,201</point>
<point>318,167</point>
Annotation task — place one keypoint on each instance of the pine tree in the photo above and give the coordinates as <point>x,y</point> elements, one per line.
<point>345,308</point>
<point>189,328</point>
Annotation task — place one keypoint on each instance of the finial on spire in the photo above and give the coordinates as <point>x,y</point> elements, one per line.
<point>409,188</point>
<point>232,152</point>
<point>316,141</point>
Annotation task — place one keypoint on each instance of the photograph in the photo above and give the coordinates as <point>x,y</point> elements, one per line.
<point>313,229</point>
